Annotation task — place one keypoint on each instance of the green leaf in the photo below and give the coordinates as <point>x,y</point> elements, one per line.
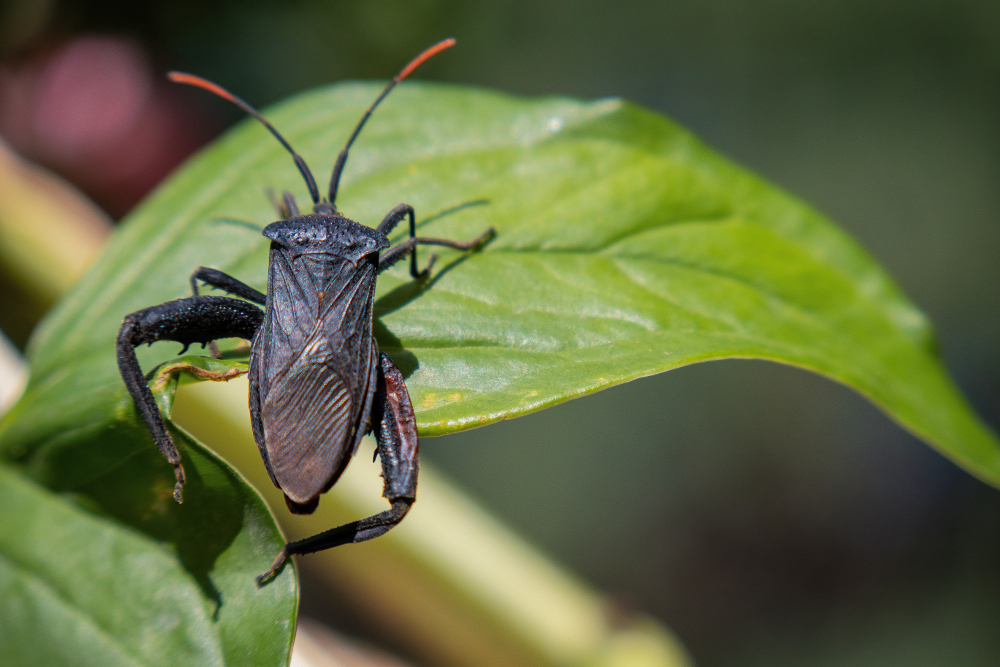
<point>625,247</point>
<point>109,570</point>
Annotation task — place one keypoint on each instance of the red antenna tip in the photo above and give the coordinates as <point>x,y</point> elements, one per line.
<point>192,80</point>
<point>429,53</point>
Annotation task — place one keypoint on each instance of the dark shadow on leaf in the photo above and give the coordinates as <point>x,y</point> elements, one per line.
<point>214,499</point>
<point>403,295</point>
<point>399,297</point>
<point>241,353</point>
<point>405,360</point>
<point>133,486</point>
<point>408,292</point>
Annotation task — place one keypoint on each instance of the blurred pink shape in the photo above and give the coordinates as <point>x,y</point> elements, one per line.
<point>94,110</point>
<point>89,94</point>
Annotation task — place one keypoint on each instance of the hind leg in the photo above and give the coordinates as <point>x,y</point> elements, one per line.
<point>395,430</point>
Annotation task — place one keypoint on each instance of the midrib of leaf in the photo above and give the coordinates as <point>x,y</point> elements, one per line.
<point>817,318</point>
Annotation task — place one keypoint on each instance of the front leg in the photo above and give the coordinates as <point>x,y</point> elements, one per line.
<point>395,428</point>
<point>198,319</point>
<point>286,207</point>
<point>409,246</point>
<point>389,223</point>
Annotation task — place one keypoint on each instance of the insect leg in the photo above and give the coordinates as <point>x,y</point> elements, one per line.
<point>198,319</point>
<point>409,246</point>
<point>225,282</point>
<point>395,428</point>
<point>393,218</point>
<point>287,207</point>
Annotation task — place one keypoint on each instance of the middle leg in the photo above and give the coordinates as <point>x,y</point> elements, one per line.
<point>226,283</point>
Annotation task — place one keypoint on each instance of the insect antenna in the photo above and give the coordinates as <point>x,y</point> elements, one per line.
<point>192,80</point>
<point>338,167</point>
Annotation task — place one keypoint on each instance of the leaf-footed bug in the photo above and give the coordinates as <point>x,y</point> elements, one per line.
<point>318,382</point>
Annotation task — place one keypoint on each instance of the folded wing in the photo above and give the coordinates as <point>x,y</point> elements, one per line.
<point>306,418</point>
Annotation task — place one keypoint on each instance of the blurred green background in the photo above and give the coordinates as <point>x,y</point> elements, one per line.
<point>768,516</point>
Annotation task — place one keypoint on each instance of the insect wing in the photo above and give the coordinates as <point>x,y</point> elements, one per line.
<point>307,419</point>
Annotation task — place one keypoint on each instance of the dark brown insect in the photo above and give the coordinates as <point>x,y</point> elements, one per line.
<point>318,382</point>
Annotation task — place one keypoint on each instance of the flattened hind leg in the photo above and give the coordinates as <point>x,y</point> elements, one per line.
<point>395,430</point>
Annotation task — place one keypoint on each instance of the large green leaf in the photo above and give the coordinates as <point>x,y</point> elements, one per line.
<point>109,570</point>
<point>625,247</point>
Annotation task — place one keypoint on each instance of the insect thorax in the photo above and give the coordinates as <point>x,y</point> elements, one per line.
<point>326,235</point>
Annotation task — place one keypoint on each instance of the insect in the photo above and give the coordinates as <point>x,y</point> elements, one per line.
<point>318,381</point>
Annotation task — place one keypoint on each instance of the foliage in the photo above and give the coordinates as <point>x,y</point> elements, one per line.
<point>625,247</point>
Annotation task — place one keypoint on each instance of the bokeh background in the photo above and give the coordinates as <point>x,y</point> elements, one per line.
<point>768,516</point>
